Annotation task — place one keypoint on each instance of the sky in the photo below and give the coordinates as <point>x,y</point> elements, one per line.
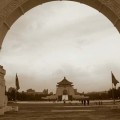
<point>58,39</point>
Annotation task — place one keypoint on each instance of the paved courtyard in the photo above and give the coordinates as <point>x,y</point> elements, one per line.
<point>55,111</point>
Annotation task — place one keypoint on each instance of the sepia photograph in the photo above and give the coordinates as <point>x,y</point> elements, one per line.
<point>60,60</point>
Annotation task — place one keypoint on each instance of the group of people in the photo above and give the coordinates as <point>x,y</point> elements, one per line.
<point>84,102</point>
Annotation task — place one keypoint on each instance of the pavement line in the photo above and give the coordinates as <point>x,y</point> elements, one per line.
<point>72,110</point>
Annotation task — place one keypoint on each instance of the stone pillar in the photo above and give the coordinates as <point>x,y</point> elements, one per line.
<point>2,89</point>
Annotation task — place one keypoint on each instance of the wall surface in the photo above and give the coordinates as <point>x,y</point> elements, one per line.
<point>70,91</point>
<point>2,90</point>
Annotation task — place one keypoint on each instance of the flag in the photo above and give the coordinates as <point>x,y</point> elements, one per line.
<point>114,81</point>
<point>17,83</point>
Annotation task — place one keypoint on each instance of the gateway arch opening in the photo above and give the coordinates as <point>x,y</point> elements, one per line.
<point>54,46</point>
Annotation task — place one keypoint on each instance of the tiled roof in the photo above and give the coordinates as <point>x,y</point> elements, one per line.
<point>64,82</point>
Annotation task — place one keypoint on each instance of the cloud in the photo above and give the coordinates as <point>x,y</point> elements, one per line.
<point>43,48</point>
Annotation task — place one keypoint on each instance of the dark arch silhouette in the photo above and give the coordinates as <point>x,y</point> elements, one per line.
<point>11,10</point>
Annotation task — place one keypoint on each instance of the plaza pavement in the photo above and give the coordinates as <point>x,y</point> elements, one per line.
<point>60,111</point>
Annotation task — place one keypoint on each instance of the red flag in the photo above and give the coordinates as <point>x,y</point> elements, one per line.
<point>17,83</point>
<point>114,81</point>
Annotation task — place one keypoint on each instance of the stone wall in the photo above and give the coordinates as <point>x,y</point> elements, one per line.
<point>2,90</point>
<point>70,90</point>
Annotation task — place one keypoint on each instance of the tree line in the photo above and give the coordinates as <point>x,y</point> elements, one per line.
<point>107,95</point>
<point>23,96</point>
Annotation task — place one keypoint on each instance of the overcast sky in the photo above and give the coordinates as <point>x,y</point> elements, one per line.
<point>58,39</point>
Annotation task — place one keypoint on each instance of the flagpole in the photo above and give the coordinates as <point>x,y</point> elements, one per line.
<point>114,81</point>
<point>113,94</point>
<point>17,87</point>
<point>16,95</point>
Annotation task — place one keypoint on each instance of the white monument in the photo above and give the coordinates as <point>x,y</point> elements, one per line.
<point>66,91</point>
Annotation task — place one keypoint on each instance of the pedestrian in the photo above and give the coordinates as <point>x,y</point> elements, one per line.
<point>64,101</point>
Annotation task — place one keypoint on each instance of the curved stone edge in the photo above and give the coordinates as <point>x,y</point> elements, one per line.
<point>16,8</point>
<point>14,4</point>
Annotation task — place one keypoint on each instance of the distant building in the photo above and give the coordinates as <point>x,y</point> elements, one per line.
<point>31,91</point>
<point>45,91</point>
<point>66,91</point>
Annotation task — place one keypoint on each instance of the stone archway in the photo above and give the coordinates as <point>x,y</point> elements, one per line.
<point>11,10</point>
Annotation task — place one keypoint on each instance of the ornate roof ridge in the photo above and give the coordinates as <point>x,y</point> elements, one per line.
<point>64,82</point>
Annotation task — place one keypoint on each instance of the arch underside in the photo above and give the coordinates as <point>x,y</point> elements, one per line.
<point>11,10</point>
